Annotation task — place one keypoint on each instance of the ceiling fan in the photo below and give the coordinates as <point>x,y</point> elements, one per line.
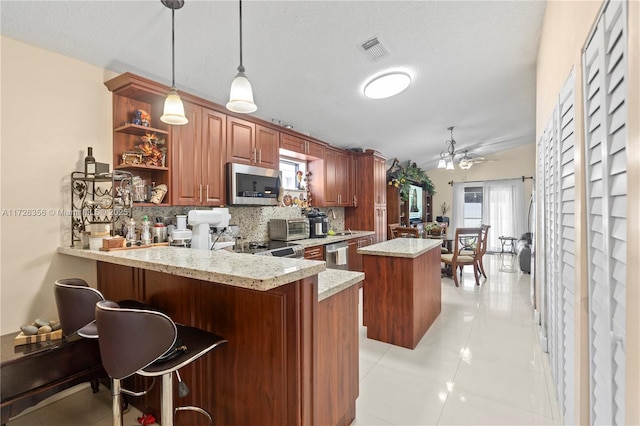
<point>447,156</point>
<point>466,162</point>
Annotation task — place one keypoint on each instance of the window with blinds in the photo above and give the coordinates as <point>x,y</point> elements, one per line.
<point>605,92</point>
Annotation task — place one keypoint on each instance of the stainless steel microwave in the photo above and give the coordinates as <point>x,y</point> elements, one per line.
<point>288,229</point>
<point>252,186</point>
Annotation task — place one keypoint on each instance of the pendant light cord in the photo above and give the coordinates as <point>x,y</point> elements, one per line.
<point>240,67</point>
<point>173,49</point>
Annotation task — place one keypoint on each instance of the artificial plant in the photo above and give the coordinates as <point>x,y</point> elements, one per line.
<point>402,175</point>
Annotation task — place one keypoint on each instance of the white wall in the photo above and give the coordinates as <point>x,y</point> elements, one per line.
<point>53,108</point>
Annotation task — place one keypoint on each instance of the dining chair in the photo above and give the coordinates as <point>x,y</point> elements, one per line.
<point>466,248</point>
<point>391,230</point>
<point>406,232</point>
<point>482,248</point>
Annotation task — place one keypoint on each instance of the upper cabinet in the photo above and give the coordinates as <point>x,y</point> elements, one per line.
<point>198,155</point>
<point>296,147</point>
<point>370,212</point>
<point>141,142</point>
<point>267,142</point>
<point>252,144</point>
<point>331,180</point>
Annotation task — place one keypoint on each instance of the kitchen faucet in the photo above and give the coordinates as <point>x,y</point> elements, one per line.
<point>333,214</point>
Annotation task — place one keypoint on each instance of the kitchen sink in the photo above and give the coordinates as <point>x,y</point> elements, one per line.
<point>342,233</point>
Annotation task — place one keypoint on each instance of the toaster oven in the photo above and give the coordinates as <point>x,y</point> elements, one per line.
<point>288,229</point>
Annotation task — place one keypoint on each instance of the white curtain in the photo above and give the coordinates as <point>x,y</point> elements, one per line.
<point>503,208</point>
<point>457,211</point>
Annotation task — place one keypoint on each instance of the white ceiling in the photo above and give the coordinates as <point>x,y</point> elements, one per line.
<point>472,63</point>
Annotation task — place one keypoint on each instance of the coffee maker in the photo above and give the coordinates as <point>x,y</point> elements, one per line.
<point>318,224</point>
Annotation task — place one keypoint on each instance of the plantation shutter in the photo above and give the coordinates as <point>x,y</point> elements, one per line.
<point>556,169</point>
<point>604,67</point>
<point>565,379</point>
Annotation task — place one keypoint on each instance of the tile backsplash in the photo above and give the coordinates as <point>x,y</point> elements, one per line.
<point>252,221</point>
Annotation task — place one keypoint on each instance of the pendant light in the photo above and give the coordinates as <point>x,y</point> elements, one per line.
<point>173,108</point>
<point>241,94</point>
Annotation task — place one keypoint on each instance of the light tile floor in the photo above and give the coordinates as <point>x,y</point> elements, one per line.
<point>479,363</point>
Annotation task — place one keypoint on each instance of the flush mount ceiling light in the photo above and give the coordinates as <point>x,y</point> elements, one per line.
<point>173,108</point>
<point>387,85</point>
<point>447,156</point>
<point>241,93</point>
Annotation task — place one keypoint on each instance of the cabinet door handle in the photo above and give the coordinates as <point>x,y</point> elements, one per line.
<point>254,155</point>
<point>207,197</point>
<point>200,192</point>
<point>260,156</point>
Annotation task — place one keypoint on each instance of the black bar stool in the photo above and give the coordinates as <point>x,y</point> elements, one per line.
<point>143,341</point>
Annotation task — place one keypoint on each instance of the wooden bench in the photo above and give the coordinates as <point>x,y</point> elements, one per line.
<point>31,373</point>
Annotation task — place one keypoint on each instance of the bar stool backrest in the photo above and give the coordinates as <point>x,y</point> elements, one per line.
<point>76,303</point>
<point>131,339</point>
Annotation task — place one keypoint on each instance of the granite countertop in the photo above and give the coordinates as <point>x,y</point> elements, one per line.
<point>221,266</point>
<point>330,239</point>
<point>401,247</point>
<point>332,281</point>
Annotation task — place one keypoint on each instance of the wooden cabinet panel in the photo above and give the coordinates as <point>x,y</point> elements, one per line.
<point>198,160</point>
<point>344,180</point>
<point>370,211</point>
<point>267,143</point>
<point>241,143</point>
<point>338,182</point>
<point>213,158</point>
<point>355,259</point>
<point>187,147</point>
<point>338,343</point>
<point>293,143</point>
<point>330,182</point>
<point>297,147</point>
<point>314,253</point>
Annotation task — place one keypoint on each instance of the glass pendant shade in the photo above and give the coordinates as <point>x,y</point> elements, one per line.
<point>241,95</point>
<point>465,164</point>
<point>450,165</point>
<point>442,163</point>
<point>173,109</point>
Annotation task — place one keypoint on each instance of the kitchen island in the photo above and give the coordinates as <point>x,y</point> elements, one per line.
<point>402,293</point>
<point>292,330</point>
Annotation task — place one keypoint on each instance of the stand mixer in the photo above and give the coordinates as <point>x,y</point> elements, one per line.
<point>201,220</point>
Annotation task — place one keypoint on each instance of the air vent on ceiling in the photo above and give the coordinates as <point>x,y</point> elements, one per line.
<point>374,49</point>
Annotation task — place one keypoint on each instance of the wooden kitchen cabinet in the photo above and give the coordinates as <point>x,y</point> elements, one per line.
<point>314,253</point>
<point>252,144</point>
<point>130,94</point>
<point>331,179</point>
<point>370,211</point>
<point>296,147</point>
<point>198,155</point>
<point>355,259</point>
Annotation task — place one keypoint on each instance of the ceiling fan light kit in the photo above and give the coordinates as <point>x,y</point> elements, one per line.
<point>387,85</point>
<point>173,112</point>
<point>447,156</point>
<point>241,93</point>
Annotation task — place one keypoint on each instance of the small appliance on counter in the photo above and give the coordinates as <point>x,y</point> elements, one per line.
<point>318,224</point>
<point>288,229</point>
<point>181,236</point>
<point>201,221</point>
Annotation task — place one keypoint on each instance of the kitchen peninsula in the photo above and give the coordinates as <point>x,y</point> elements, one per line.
<point>291,326</point>
<point>402,290</point>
